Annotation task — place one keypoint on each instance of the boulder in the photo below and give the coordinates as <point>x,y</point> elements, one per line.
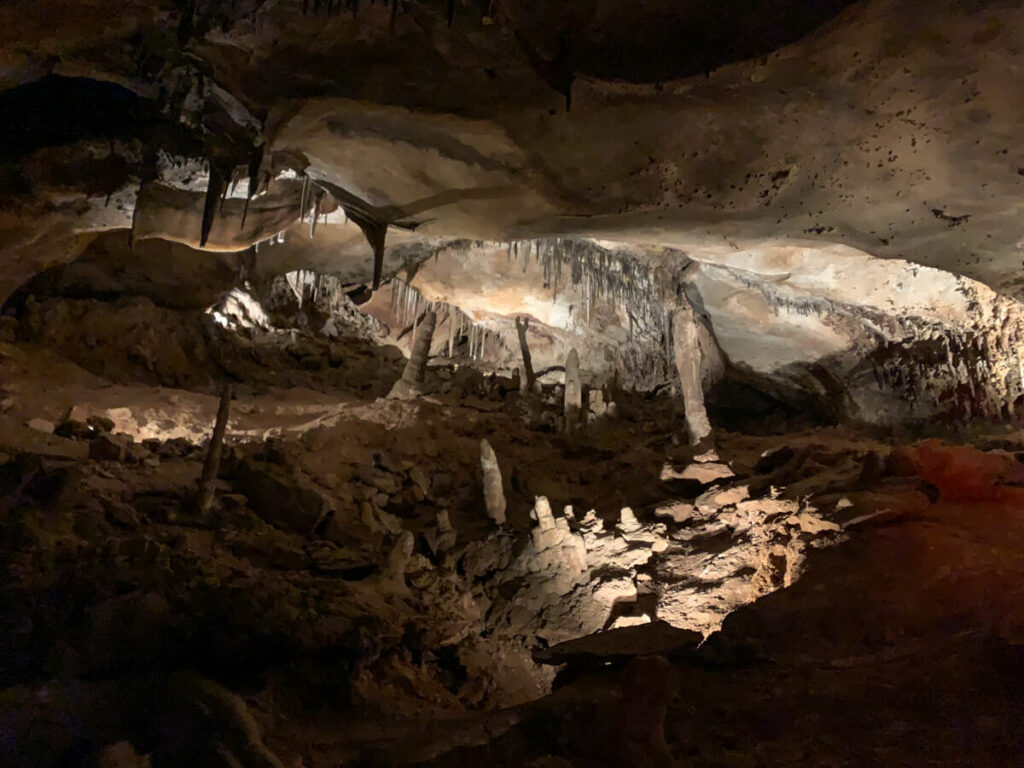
<point>622,645</point>
<point>100,423</point>
<point>41,425</point>
<point>285,498</point>
<point>109,447</point>
<point>78,430</point>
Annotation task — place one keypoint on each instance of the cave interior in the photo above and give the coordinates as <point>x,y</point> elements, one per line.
<point>544,383</point>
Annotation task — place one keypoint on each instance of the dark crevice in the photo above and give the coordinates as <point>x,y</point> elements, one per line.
<point>57,110</point>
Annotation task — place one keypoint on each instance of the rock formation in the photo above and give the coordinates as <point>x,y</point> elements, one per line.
<point>791,225</point>
<point>211,466</point>
<point>573,395</point>
<point>414,375</point>
<point>686,351</point>
<point>528,378</point>
<point>494,493</point>
<point>399,557</point>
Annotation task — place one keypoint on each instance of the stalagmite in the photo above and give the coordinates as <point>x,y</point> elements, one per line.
<point>542,511</point>
<point>451,333</point>
<point>444,536</point>
<point>573,391</point>
<point>212,464</point>
<point>398,558</point>
<point>686,349</point>
<point>411,383</point>
<point>494,495</point>
<point>521,327</point>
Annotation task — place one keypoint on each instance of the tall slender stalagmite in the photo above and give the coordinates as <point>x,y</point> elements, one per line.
<point>411,383</point>
<point>573,391</point>
<point>212,464</point>
<point>494,495</point>
<point>686,349</point>
<point>521,327</point>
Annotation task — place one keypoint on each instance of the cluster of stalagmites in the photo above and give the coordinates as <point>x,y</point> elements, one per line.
<point>579,576</point>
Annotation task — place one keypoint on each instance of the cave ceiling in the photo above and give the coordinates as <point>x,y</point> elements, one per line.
<point>833,176</point>
<point>888,126</point>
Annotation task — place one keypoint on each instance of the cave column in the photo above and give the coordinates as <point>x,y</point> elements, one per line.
<point>411,383</point>
<point>528,380</point>
<point>686,350</point>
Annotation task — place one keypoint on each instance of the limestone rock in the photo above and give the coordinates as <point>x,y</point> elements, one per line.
<point>677,511</point>
<point>705,473</point>
<point>41,425</point>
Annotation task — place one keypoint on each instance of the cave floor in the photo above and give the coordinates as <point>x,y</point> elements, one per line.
<point>890,636</point>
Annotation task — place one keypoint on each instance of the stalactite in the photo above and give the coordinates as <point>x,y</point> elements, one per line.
<point>255,160</point>
<point>302,198</point>
<point>315,213</point>
<point>207,482</point>
<point>214,189</point>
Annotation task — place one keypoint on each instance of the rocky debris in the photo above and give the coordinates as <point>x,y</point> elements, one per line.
<point>293,563</point>
<point>195,350</point>
<point>734,549</point>
<point>678,512</point>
